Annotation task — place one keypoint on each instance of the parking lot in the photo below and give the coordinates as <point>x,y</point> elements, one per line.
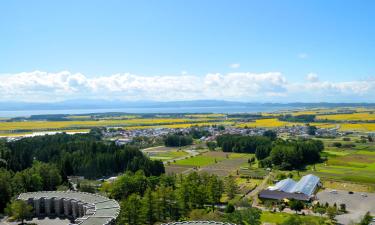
<point>357,204</point>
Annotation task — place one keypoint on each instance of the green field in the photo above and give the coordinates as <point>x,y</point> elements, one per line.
<point>200,160</point>
<point>277,218</point>
<point>352,165</point>
<point>164,156</point>
<point>210,158</point>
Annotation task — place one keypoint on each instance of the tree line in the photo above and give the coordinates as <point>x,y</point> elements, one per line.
<point>149,200</point>
<point>271,151</point>
<point>43,163</point>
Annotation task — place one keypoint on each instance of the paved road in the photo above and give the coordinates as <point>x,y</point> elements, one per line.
<point>356,204</point>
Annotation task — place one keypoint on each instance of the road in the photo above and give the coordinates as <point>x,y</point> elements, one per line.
<point>254,194</point>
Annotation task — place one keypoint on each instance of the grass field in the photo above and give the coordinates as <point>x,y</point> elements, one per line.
<point>348,166</point>
<point>277,218</point>
<point>210,158</point>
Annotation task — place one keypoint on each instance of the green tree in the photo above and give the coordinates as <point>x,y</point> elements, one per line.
<point>296,205</point>
<point>148,207</point>
<point>249,216</point>
<point>19,210</point>
<point>366,220</point>
<point>331,212</point>
<point>5,188</point>
<point>131,212</point>
<point>231,188</point>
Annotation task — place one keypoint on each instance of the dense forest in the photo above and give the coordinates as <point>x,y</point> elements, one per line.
<point>270,151</point>
<point>44,162</point>
<point>147,200</point>
<point>178,140</point>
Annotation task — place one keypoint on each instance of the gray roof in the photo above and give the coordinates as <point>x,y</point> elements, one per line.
<point>288,188</point>
<point>306,185</point>
<point>105,209</point>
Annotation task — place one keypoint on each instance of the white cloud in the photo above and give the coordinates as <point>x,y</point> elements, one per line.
<point>235,65</point>
<point>312,77</point>
<point>271,86</point>
<point>303,55</point>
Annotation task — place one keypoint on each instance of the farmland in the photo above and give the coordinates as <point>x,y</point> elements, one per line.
<point>353,166</point>
<point>349,117</point>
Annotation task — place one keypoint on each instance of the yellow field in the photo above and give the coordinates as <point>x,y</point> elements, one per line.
<point>348,117</point>
<point>366,127</point>
<point>266,123</point>
<point>40,125</point>
<point>181,125</point>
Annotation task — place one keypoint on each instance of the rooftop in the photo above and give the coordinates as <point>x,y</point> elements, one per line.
<point>105,209</point>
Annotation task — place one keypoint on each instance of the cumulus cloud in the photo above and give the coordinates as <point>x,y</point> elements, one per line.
<point>235,65</point>
<point>270,86</point>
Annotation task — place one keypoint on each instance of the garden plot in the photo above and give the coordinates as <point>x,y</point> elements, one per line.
<point>225,167</point>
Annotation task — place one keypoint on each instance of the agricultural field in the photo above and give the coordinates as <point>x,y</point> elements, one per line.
<point>164,153</point>
<point>347,167</point>
<point>349,117</point>
<point>273,122</point>
<point>13,127</point>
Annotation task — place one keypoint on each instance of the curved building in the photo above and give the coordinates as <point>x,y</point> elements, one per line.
<point>84,208</point>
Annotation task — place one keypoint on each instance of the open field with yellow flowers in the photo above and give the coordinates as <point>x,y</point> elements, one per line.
<point>349,117</point>
<point>266,123</point>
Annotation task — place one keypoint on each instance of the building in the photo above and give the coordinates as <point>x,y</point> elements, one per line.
<point>303,190</point>
<point>83,208</point>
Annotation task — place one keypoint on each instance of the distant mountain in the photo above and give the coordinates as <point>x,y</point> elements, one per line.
<point>103,104</point>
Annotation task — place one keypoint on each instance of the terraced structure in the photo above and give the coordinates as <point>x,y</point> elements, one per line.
<point>83,208</point>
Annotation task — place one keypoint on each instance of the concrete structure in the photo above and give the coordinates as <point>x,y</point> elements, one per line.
<point>83,208</point>
<point>198,223</point>
<point>303,190</point>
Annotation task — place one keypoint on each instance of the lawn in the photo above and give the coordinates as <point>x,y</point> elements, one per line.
<point>210,158</point>
<point>168,155</point>
<point>279,217</point>
<point>200,160</point>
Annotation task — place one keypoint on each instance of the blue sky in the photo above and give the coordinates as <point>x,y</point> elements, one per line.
<point>333,41</point>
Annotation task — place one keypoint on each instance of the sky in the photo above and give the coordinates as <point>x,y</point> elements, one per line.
<point>167,50</point>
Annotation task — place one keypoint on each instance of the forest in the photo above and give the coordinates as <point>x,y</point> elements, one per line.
<point>271,151</point>
<point>44,162</point>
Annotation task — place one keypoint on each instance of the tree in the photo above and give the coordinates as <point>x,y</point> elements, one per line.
<point>331,212</point>
<point>296,205</point>
<point>342,207</point>
<point>229,208</point>
<point>5,188</point>
<point>270,134</point>
<point>250,216</point>
<point>311,130</point>
<point>230,187</point>
<point>19,210</point>
<point>148,207</point>
<point>320,210</point>
<point>366,220</point>
<point>131,213</point>
<point>211,145</point>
